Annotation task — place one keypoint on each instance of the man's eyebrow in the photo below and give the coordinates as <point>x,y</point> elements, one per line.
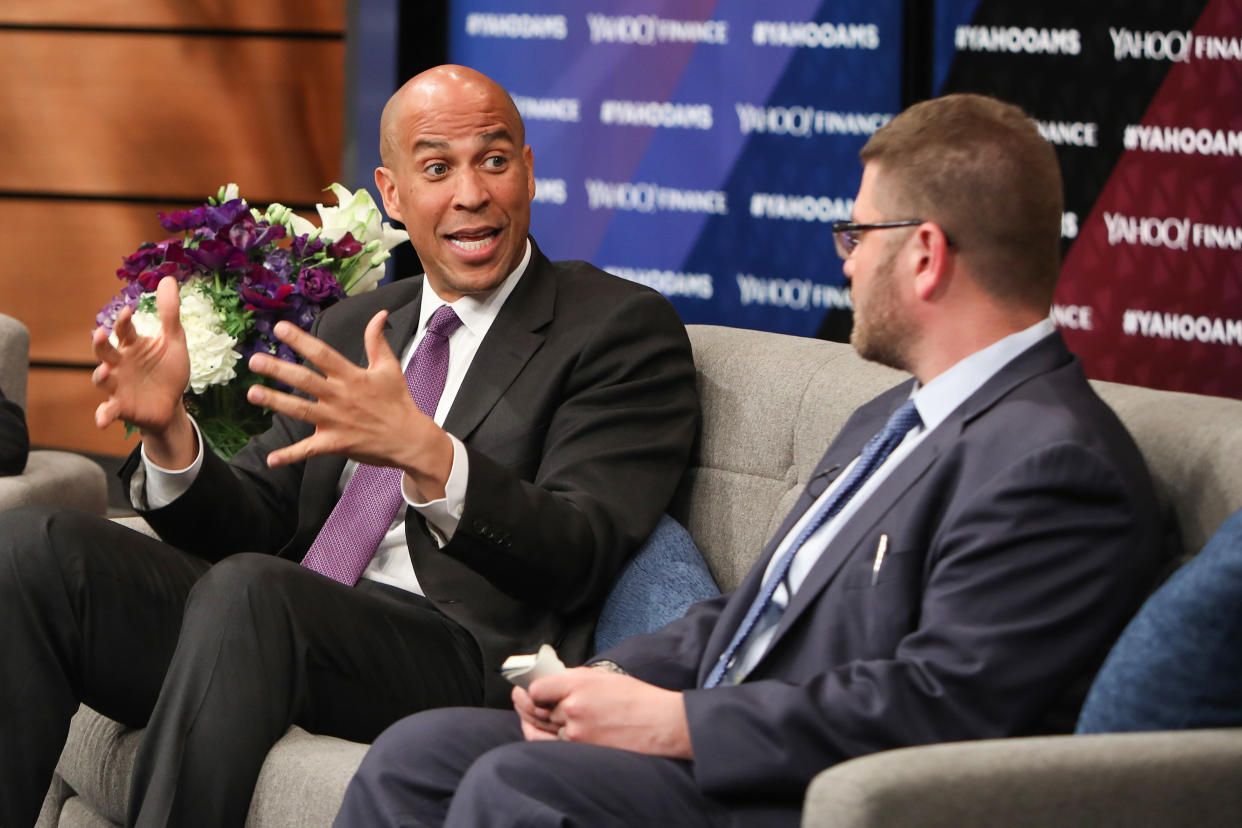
<point>426,144</point>
<point>484,138</point>
<point>495,135</point>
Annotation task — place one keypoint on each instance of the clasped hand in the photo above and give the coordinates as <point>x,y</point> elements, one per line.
<point>605,708</point>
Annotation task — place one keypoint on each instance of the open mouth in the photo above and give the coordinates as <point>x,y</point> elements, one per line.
<point>473,241</point>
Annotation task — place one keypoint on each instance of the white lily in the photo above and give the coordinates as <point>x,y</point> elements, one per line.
<point>357,214</point>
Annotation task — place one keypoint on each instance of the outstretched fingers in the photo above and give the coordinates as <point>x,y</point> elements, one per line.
<point>319,353</point>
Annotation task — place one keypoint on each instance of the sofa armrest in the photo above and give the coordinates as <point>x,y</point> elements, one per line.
<point>1191,777</point>
<point>57,478</point>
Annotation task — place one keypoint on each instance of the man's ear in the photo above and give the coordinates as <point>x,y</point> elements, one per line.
<point>386,183</point>
<point>529,158</point>
<point>931,276</point>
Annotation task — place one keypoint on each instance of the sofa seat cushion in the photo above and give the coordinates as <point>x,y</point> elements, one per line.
<point>1178,664</point>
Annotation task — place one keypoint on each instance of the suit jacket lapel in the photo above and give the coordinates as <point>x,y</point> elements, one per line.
<point>511,341</point>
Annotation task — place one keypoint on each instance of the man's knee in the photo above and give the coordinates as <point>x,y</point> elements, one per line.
<point>239,586</point>
<point>39,544</point>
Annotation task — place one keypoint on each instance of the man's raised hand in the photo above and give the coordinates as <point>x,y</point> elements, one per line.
<point>365,414</point>
<point>145,377</point>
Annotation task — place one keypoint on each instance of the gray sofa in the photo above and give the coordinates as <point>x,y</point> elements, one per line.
<point>51,477</point>
<point>771,405</point>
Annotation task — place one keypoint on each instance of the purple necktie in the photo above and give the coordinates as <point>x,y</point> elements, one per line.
<point>372,497</point>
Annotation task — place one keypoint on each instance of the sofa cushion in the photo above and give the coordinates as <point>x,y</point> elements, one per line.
<point>1178,664</point>
<point>663,579</point>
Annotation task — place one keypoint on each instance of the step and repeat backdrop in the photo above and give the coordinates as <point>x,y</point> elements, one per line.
<point>700,147</point>
<point>1143,101</point>
<point>704,147</point>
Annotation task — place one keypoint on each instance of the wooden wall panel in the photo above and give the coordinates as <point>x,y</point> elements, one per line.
<point>304,15</point>
<point>60,266</point>
<point>60,411</point>
<point>166,115</point>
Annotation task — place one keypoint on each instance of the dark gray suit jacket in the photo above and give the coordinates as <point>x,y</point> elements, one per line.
<point>1022,533</point>
<point>578,413</point>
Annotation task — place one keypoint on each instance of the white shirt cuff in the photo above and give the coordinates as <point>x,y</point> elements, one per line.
<point>443,514</point>
<point>158,486</point>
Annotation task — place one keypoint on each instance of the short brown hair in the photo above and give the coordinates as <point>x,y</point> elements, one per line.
<point>979,168</point>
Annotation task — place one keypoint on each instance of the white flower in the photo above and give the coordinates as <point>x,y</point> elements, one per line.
<point>212,358</point>
<point>228,192</point>
<point>357,214</point>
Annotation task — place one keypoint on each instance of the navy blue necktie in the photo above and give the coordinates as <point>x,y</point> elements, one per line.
<point>873,454</point>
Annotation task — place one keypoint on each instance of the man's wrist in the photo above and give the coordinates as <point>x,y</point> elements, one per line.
<point>608,666</point>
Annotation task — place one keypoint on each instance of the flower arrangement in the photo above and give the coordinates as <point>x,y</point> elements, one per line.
<point>240,272</point>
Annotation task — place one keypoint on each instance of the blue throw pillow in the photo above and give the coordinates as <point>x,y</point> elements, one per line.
<point>665,577</point>
<point>1179,662</point>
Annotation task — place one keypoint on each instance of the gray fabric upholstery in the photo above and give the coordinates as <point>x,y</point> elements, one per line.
<point>771,404</point>
<point>58,478</point>
<point>1122,779</point>
<point>14,359</point>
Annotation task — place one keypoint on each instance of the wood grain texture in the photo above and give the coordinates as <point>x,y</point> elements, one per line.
<point>60,412</point>
<point>304,15</point>
<point>170,116</point>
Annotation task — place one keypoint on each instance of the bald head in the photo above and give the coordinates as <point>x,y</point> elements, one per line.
<point>428,92</point>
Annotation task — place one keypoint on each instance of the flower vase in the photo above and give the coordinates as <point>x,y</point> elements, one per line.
<point>225,419</point>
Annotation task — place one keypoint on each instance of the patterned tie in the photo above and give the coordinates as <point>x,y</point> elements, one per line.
<point>372,497</point>
<point>878,447</point>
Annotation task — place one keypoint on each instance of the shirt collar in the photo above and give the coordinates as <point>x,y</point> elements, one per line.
<point>476,311</point>
<point>936,400</point>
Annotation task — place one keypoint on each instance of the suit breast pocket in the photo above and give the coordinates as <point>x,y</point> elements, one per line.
<point>897,567</point>
<point>876,616</point>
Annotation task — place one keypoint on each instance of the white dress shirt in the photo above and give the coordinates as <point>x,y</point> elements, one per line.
<point>934,401</point>
<point>391,563</point>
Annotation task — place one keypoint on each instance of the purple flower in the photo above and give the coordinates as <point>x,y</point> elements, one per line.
<point>344,247</point>
<point>223,215</point>
<point>302,248</point>
<point>318,285</point>
<point>259,277</point>
<point>135,263</point>
<point>277,300</point>
<point>182,220</point>
<point>127,298</point>
<point>174,251</point>
<point>277,261</point>
<point>247,234</point>
<point>213,255</point>
<point>151,278</point>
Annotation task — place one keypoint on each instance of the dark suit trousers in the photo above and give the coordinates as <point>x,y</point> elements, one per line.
<point>470,768</point>
<point>216,661</point>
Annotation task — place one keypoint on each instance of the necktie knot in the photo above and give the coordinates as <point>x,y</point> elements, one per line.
<point>443,322</point>
<point>900,422</point>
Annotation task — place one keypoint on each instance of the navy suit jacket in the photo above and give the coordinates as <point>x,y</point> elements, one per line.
<point>578,413</point>
<point>1022,533</point>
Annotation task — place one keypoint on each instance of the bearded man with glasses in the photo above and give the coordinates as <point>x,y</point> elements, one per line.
<point>972,542</point>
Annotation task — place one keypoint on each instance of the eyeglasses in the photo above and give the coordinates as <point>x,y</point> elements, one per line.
<point>847,234</point>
